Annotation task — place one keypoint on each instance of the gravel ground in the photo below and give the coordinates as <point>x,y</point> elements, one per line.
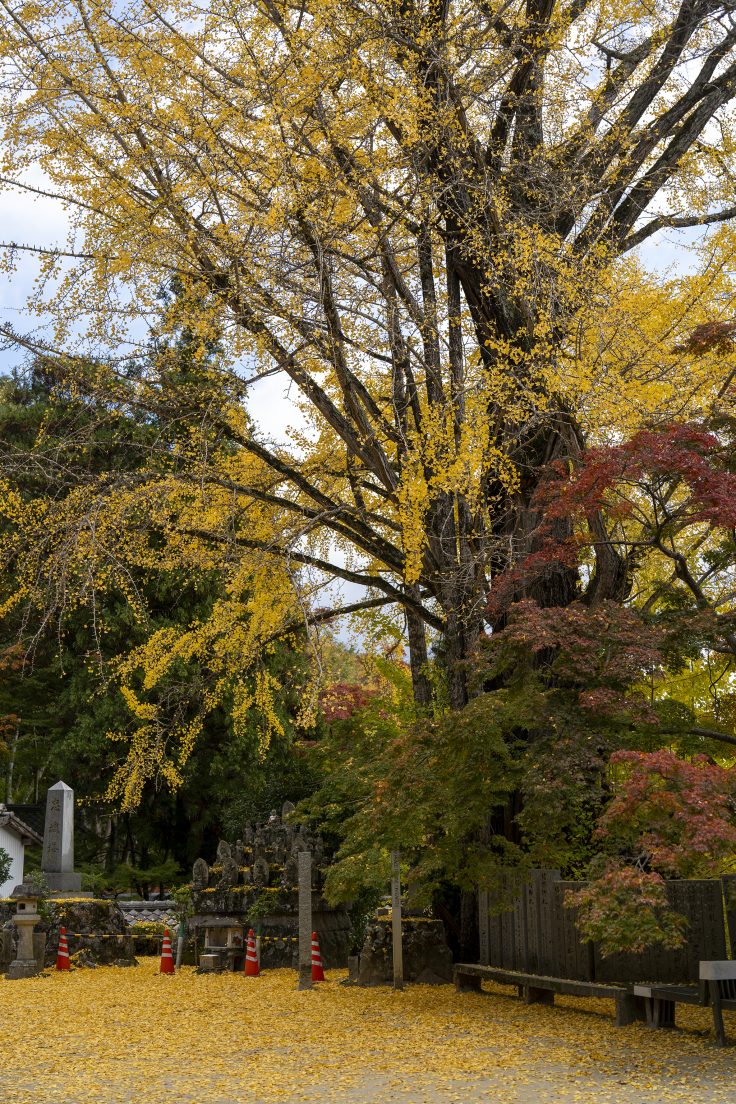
<point>115,1036</point>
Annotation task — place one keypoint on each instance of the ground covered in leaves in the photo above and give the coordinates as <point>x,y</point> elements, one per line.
<point>114,1035</point>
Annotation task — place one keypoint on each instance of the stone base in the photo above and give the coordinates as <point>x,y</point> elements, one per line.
<point>426,956</point>
<point>22,968</point>
<point>66,882</point>
<point>209,963</point>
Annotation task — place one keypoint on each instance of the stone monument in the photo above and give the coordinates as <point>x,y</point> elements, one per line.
<point>57,862</point>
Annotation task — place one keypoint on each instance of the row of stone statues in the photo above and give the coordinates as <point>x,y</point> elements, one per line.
<point>266,853</point>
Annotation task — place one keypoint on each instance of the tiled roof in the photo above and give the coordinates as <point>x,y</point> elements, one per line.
<point>159,912</point>
<point>9,819</point>
<point>32,815</point>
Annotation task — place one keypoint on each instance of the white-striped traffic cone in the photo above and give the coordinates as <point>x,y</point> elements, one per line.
<point>167,958</point>
<point>318,973</point>
<point>252,969</point>
<point>62,955</point>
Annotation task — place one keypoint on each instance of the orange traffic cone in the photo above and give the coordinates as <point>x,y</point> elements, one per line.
<point>62,955</point>
<point>167,958</point>
<point>318,973</point>
<point>252,969</point>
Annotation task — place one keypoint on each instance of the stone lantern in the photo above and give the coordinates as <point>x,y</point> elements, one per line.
<point>26,896</point>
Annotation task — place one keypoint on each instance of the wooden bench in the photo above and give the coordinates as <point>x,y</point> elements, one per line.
<point>537,989</point>
<point>717,988</point>
<point>660,1000</point>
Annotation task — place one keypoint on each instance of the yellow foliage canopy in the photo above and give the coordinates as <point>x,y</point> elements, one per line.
<point>426,217</point>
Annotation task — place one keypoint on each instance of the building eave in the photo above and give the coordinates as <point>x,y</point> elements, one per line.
<point>13,823</point>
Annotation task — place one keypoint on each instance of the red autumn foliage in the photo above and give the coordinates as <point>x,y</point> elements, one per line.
<point>676,816</point>
<point>663,482</point>
<point>594,653</point>
<point>709,337</point>
<point>656,461</point>
<point>669,817</point>
<point>341,700</point>
<point>548,559</point>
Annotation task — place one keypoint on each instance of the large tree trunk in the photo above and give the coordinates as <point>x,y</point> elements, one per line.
<point>418,658</point>
<point>11,763</point>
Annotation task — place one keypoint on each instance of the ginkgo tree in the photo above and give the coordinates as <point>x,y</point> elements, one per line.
<point>426,217</point>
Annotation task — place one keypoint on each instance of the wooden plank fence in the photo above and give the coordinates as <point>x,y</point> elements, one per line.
<point>729,899</point>
<point>538,935</point>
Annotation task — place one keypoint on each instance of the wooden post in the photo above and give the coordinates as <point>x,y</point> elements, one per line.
<point>305,920</point>
<point>484,932</point>
<point>728,884</point>
<point>714,987</point>
<point>398,953</point>
<point>181,940</point>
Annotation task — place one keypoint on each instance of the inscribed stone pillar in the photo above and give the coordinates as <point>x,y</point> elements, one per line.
<point>57,862</point>
<point>398,951</point>
<point>305,920</point>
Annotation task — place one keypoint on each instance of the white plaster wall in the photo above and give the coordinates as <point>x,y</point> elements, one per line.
<point>10,843</point>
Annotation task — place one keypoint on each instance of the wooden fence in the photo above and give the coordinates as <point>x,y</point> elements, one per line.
<point>539,935</point>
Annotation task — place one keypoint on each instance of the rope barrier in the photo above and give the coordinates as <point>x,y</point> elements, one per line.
<point>144,935</point>
<point>102,935</point>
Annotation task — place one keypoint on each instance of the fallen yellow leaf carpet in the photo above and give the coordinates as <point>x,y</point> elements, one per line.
<point>132,1036</point>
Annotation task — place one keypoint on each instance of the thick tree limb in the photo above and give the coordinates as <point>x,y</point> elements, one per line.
<point>697,730</point>
<point>675,222</point>
<point>403,598</point>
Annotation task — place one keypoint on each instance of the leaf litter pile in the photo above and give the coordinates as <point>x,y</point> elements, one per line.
<point>113,1035</point>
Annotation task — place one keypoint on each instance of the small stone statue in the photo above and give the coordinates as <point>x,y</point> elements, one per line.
<point>274,819</point>
<point>239,854</point>
<point>200,875</point>
<point>230,873</point>
<point>260,872</point>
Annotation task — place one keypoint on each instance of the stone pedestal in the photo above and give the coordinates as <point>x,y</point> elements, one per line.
<point>22,968</point>
<point>65,883</point>
<point>209,963</point>
<point>108,940</point>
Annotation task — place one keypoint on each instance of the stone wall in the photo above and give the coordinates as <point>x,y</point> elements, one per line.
<point>96,932</point>
<point>426,956</point>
